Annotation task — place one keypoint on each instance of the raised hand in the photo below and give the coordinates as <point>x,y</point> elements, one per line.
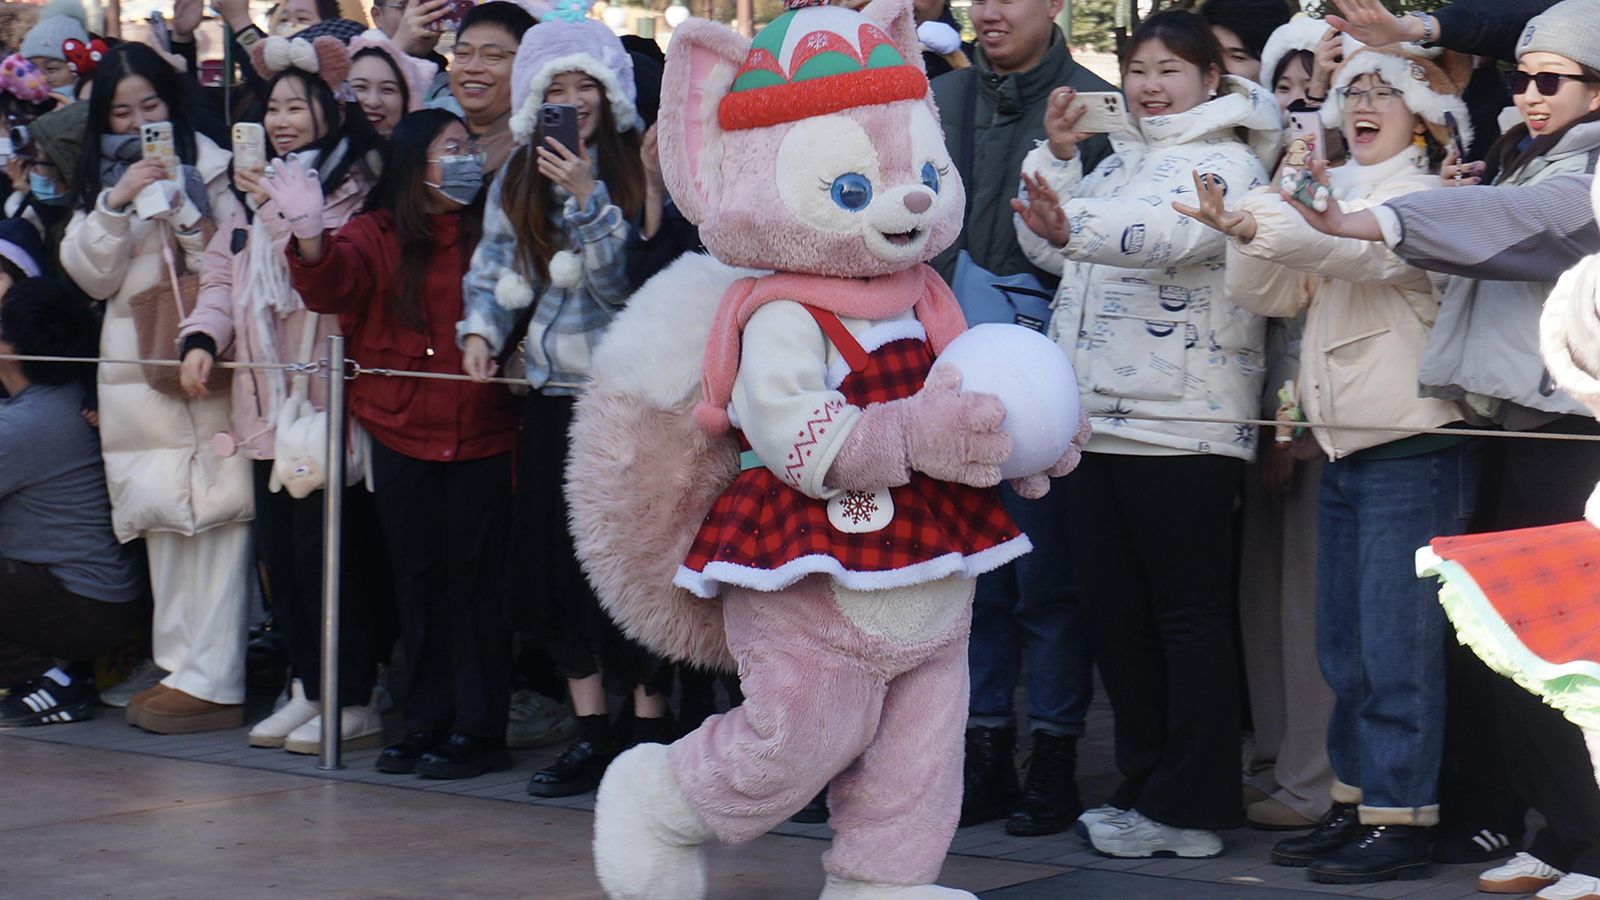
<point>298,195</point>
<point>1327,56</point>
<point>566,168</point>
<point>1369,22</point>
<point>1212,213</point>
<point>186,17</point>
<point>416,34</point>
<point>1059,118</point>
<point>1042,211</point>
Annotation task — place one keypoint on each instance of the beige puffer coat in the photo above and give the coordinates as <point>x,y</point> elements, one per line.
<point>161,470</point>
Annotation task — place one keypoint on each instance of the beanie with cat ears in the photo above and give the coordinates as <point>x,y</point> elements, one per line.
<point>1430,81</point>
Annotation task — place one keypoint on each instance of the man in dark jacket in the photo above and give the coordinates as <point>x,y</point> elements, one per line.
<point>993,113</point>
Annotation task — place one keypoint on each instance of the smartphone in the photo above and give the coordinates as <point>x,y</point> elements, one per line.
<point>249,145</point>
<point>559,121</point>
<point>1305,141</point>
<point>1455,136</point>
<point>451,20</point>
<point>156,138</point>
<point>158,31</point>
<point>1105,112</point>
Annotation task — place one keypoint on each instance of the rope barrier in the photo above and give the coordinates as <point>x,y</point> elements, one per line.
<point>354,370</point>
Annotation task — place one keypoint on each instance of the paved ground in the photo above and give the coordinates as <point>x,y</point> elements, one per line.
<point>99,809</point>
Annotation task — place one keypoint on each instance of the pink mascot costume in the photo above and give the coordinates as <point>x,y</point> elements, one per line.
<point>769,472</point>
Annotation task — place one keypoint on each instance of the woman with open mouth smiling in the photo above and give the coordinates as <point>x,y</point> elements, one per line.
<point>1380,635</point>
<point>1142,313</point>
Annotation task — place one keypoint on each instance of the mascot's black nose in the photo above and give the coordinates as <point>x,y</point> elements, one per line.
<point>918,202</point>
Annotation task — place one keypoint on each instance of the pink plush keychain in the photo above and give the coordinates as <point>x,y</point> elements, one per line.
<point>769,470</point>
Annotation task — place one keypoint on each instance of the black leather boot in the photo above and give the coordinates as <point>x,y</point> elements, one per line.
<point>1339,827</point>
<point>1050,802</point>
<point>1379,853</point>
<point>989,775</point>
<point>579,768</point>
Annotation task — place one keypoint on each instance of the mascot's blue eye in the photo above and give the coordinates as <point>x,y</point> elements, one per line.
<point>930,177</point>
<point>851,191</point>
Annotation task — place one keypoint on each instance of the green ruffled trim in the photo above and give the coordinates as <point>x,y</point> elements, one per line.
<point>1573,688</point>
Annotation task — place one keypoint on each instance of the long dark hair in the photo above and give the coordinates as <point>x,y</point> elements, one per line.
<point>122,61</point>
<point>1507,156</point>
<point>401,193</point>
<point>399,77</point>
<point>526,195</point>
<point>344,121</point>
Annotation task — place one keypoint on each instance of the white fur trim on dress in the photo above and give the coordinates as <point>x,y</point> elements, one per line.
<point>512,291</point>
<point>622,109</point>
<point>1396,71</point>
<point>709,583</point>
<point>873,338</point>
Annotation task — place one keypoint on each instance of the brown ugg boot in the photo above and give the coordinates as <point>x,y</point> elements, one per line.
<point>137,701</point>
<point>175,712</point>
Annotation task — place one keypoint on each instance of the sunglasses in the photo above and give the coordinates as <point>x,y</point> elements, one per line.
<point>1548,83</point>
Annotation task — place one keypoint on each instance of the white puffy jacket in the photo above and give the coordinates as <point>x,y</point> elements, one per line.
<point>161,470</point>
<point>1141,309</point>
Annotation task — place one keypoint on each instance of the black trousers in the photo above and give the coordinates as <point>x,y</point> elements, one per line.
<point>446,528</point>
<point>288,535</point>
<point>1152,543</point>
<point>41,621</point>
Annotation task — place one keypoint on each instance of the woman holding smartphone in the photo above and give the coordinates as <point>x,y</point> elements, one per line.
<point>552,256</point>
<point>1380,632</point>
<point>167,483</point>
<point>441,449</point>
<point>248,311</point>
<point>1142,313</point>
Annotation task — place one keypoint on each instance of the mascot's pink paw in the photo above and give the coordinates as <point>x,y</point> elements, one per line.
<point>646,836</point>
<point>848,889</point>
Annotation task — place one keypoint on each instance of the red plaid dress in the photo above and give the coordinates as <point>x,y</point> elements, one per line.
<point>763,534</point>
<point>1543,583</point>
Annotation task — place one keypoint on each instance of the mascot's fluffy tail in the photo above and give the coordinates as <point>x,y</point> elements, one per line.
<point>641,474</point>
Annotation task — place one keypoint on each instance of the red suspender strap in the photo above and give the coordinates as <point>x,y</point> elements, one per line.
<point>842,339</point>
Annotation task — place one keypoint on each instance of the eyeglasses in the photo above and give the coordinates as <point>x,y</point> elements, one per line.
<point>1378,98</point>
<point>401,6</point>
<point>1548,83</point>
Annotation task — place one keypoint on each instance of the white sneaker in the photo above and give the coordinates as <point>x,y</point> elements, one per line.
<point>271,731</point>
<point>359,727</point>
<point>1572,886</point>
<point>143,677</point>
<point>1521,874</point>
<point>1134,836</point>
<point>1090,816</point>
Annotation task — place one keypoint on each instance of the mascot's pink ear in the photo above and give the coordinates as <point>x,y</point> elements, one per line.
<point>896,17</point>
<point>705,58</point>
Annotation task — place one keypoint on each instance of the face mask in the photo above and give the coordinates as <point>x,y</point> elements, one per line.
<point>460,178</point>
<point>43,188</point>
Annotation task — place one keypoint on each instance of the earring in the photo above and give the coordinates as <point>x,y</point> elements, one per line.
<point>1421,143</point>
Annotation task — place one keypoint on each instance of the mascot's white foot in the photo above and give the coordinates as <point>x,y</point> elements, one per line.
<point>849,889</point>
<point>646,836</point>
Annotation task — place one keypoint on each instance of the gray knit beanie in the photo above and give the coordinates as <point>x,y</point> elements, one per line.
<point>1570,28</point>
<point>61,20</point>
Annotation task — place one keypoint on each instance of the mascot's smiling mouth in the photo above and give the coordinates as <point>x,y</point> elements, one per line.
<point>902,238</point>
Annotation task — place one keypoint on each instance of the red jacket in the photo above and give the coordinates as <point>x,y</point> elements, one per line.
<point>446,421</point>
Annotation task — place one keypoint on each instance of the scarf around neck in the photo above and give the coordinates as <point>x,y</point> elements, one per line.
<point>119,151</point>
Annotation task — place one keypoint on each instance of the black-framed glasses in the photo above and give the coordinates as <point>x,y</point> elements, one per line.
<point>1548,83</point>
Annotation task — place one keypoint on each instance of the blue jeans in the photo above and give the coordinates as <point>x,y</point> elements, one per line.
<point>1033,599</point>
<point>1380,630</point>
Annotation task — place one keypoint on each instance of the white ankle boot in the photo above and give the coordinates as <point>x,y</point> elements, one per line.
<point>359,727</point>
<point>646,835</point>
<point>271,731</point>
<point>849,889</point>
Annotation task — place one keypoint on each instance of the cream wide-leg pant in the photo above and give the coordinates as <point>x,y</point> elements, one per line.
<point>201,589</point>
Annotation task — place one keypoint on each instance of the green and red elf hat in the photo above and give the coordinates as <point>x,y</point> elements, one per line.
<point>814,60</point>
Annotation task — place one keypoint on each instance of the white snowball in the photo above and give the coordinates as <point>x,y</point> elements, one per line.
<point>1033,377</point>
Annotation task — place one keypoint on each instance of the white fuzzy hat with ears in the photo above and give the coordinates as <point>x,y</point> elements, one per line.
<point>1300,33</point>
<point>1430,81</point>
<point>565,40</point>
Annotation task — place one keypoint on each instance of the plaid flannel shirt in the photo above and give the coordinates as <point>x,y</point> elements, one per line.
<point>567,322</point>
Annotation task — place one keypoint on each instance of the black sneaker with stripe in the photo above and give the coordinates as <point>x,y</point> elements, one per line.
<point>44,702</point>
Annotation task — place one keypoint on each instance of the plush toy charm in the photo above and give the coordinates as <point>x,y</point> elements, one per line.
<point>83,58</point>
<point>769,469</point>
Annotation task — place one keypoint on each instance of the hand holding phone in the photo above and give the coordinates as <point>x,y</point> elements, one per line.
<point>558,121</point>
<point>1305,141</point>
<point>157,143</point>
<point>249,146</point>
<point>451,20</point>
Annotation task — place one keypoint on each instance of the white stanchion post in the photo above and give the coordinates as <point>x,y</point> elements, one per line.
<point>332,526</point>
